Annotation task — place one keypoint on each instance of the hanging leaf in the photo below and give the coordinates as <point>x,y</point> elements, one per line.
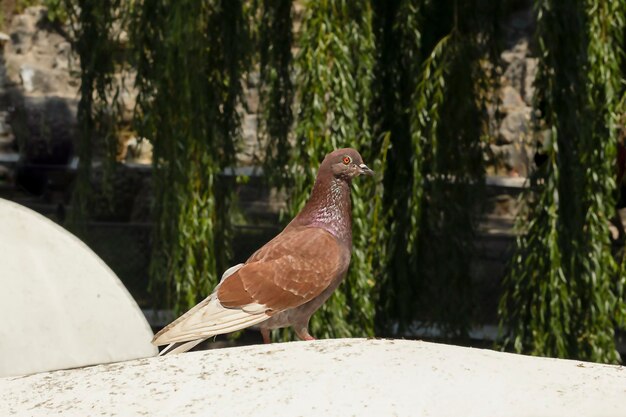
<point>560,295</point>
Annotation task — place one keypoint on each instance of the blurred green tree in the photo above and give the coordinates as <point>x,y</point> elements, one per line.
<point>407,83</point>
<point>94,41</point>
<point>190,58</point>
<point>428,79</point>
<point>563,296</point>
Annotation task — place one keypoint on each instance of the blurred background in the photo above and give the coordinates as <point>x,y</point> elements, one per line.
<point>177,137</point>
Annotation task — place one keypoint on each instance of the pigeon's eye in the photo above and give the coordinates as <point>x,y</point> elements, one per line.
<point>347,160</point>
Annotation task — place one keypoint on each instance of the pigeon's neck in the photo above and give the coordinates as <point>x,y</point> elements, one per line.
<point>329,208</point>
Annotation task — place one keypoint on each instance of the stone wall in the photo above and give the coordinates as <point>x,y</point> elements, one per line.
<point>39,86</point>
<point>512,149</point>
<point>39,90</point>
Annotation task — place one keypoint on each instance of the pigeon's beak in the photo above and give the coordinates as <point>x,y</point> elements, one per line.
<point>364,169</point>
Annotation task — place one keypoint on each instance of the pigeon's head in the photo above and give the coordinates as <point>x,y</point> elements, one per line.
<point>345,163</point>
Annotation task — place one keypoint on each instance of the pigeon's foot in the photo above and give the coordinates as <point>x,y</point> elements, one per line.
<point>266,336</point>
<point>303,334</point>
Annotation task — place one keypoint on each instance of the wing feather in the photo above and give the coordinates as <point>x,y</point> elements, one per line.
<point>290,270</point>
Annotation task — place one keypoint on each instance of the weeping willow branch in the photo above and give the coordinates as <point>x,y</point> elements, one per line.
<point>560,298</point>
<point>333,73</point>
<point>92,23</point>
<point>190,59</point>
<point>398,27</point>
<point>277,89</point>
<point>447,131</point>
<point>438,163</point>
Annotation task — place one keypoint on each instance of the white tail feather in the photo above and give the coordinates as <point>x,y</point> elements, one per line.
<point>209,318</point>
<point>180,349</point>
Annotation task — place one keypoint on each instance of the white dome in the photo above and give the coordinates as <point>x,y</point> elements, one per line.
<point>61,306</point>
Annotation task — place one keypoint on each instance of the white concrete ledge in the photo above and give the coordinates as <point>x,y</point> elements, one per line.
<point>326,378</point>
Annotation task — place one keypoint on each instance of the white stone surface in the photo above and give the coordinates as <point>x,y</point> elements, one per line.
<point>326,378</point>
<point>61,306</point>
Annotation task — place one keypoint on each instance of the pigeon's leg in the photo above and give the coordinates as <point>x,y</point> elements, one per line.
<point>266,336</point>
<point>303,333</point>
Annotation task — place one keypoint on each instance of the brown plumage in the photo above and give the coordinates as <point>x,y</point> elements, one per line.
<point>289,278</point>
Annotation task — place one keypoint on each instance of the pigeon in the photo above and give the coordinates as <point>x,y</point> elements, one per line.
<point>284,282</point>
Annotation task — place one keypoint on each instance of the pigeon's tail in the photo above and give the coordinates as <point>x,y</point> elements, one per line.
<point>209,318</point>
<point>180,347</point>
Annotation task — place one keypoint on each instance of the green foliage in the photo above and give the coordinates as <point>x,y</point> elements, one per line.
<point>434,188</point>
<point>22,5</point>
<point>57,9</point>
<point>191,56</point>
<point>561,297</point>
<point>333,78</point>
<point>92,23</point>
<point>277,91</point>
<point>398,28</point>
<point>404,82</point>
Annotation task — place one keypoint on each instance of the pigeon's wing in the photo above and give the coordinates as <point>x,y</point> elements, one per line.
<point>290,270</point>
<point>209,318</point>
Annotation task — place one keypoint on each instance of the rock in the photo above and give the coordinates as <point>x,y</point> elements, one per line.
<point>514,159</point>
<point>250,124</point>
<point>508,56</point>
<point>515,126</point>
<point>27,75</point>
<point>39,58</point>
<point>20,42</point>
<point>39,63</point>
<point>4,38</point>
<point>62,59</point>
<point>23,26</point>
<point>514,74</point>
<point>517,52</point>
<point>510,99</point>
<point>529,79</point>
<point>139,151</point>
<point>41,80</point>
<point>253,79</point>
<point>252,101</point>
<point>511,151</point>
<point>250,143</point>
<point>37,79</point>
<point>11,74</point>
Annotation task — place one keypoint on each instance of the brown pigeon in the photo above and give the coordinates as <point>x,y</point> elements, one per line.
<point>287,280</point>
